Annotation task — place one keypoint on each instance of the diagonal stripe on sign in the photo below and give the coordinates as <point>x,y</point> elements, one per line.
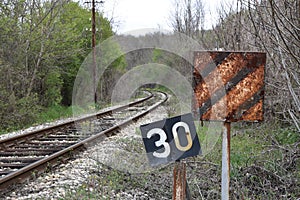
<point>208,85</point>
<point>208,66</point>
<point>254,112</point>
<point>248,104</point>
<point>228,86</point>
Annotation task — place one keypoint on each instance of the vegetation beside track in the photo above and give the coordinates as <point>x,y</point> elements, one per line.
<point>44,115</point>
<point>262,167</point>
<point>265,163</point>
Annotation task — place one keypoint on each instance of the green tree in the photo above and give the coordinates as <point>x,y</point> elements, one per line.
<point>42,45</point>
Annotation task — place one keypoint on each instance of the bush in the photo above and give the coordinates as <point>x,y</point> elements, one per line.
<point>17,113</point>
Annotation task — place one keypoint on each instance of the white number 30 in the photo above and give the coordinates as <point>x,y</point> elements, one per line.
<point>163,138</point>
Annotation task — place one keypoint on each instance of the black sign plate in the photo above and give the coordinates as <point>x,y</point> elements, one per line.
<point>170,139</point>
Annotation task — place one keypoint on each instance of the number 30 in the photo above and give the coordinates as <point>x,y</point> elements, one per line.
<point>163,138</point>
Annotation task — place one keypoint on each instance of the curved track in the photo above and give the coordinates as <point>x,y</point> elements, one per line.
<point>28,154</point>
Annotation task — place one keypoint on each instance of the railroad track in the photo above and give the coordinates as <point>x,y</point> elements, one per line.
<point>29,154</point>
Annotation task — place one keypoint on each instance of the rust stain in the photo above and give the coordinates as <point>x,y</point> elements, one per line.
<point>245,89</point>
<point>236,97</point>
<point>217,78</point>
<point>202,60</point>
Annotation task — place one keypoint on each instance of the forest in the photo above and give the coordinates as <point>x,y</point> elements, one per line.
<point>43,44</point>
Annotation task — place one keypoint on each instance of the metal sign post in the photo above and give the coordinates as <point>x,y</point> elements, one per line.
<point>225,161</point>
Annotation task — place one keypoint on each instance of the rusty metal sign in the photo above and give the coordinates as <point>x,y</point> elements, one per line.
<point>229,86</point>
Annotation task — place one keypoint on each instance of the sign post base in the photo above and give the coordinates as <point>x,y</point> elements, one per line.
<point>179,182</point>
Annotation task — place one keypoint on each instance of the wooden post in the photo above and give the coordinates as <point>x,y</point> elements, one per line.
<point>225,161</point>
<point>179,182</point>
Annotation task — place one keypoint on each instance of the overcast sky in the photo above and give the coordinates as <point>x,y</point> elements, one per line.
<point>139,14</point>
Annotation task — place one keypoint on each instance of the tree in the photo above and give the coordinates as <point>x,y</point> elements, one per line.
<point>271,26</point>
<point>26,32</point>
<point>276,28</point>
<point>42,45</point>
<point>188,17</point>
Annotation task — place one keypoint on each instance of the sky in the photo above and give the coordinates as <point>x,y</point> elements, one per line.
<point>138,14</point>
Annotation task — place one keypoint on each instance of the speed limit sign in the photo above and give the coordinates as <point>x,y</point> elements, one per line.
<point>170,139</point>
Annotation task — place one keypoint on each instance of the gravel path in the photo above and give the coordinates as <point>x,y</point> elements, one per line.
<point>100,164</point>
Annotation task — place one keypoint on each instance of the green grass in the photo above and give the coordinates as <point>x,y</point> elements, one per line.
<point>44,115</point>
<point>263,160</point>
<point>285,136</point>
<point>245,146</point>
<point>246,143</point>
<point>53,113</point>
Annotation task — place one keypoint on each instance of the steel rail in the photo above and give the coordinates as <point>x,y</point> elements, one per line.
<point>20,138</point>
<point>40,165</point>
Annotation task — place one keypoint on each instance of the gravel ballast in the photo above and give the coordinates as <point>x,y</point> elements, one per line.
<point>121,155</point>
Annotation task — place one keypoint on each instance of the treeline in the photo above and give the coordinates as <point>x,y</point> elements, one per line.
<point>42,45</point>
<point>271,26</point>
